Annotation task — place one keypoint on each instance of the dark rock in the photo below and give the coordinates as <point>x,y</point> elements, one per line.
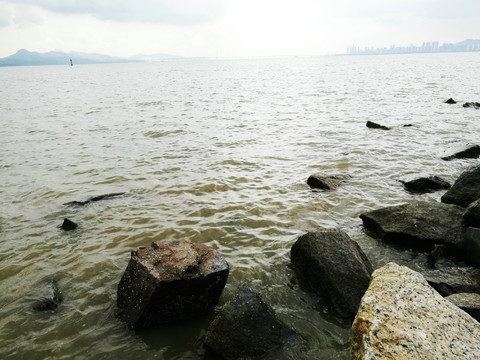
<point>472,247</point>
<point>472,214</point>
<point>453,280</point>
<point>372,125</point>
<point>419,224</point>
<point>407,125</point>
<point>334,266</point>
<point>170,281</point>
<point>468,302</point>
<point>325,182</point>
<point>47,297</point>
<point>247,328</point>
<point>94,199</point>
<point>450,101</point>
<point>426,184</point>
<point>474,105</point>
<point>470,152</point>
<point>437,255</point>
<point>68,225</point>
<point>465,190</point>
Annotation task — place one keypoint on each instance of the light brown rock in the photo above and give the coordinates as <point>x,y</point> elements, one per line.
<point>402,317</point>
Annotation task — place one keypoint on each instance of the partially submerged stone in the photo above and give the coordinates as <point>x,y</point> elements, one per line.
<point>248,328</point>
<point>468,302</point>
<point>46,297</point>
<point>334,266</point>
<point>402,317</point>
<point>68,225</point>
<point>95,199</point>
<point>170,281</point>
<point>325,182</point>
<point>420,224</point>
<point>426,184</point>
<point>465,190</point>
<point>475,105</point>
<point>450,101</point>
<point>373,125</point>
<point>468,152</point>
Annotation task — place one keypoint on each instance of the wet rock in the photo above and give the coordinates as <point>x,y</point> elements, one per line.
<point>468,152</point>
<point>95,199</point>
<point>402,317</point>
<point>248,328</point>
<point>68,225</point>
<point>472,214</point>
<point>170,281</point>
<point>472,247</point>
<point>420,224</point>
<point>373,125</point>
<point>426,184</point>
<point>465,190</point>
<point>437,256</point>
<point>334,266</point>
<point>325,182</point>
<point>450,101</point>
<point>46,297</point>
<point>470,303</point>
<point>453,280</point>
<point>474,105</point>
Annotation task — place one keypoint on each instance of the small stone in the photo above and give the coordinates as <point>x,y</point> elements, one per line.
<point>450,101</point>
<point>475,105</point>
<point>68,225</point>
<point>324,182</point>
<point>426,184</point>
<point>373,125</point>
<point>47,297</point>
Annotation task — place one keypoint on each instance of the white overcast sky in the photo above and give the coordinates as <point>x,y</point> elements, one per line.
<point>231,28</point>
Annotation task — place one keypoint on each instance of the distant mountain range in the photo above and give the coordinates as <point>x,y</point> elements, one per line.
<point>26,58</point>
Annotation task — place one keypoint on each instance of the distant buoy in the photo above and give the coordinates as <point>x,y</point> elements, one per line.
<point>71,62</point>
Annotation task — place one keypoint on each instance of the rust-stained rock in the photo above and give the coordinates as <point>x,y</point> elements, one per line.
<point>170,281</point>
<point>402,317</point>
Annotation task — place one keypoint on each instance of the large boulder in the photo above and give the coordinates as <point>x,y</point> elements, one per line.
<point>402,317</point>
<point>421,223</point>
<point>465,190</point>
<point>468,152</point>
<point>170,281</point>
<point>453,279</point>
<point>426,184</point>
<point>468,302</point>
<point>334,266</point>
<point>247,328</point>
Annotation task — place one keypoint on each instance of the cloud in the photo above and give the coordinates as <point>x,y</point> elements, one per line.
<point>175,12</point>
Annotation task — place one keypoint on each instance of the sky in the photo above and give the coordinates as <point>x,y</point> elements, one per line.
<point>231,28</point>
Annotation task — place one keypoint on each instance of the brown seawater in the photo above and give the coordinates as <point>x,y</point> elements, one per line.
<point>216,152</point>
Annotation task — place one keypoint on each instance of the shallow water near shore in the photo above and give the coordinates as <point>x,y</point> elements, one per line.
<point>216,152</point>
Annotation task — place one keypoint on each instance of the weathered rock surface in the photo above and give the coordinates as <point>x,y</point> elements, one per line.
<point>454,280</point>
<point>68,225</point>
<point>465,190</point>
<point>95,199</point>
<point>469,152</point>
<point>402,317</point>
<point>247,328</point>
<point>475,105</point>
<point>46,297</point>
<point>420,223</point>
<point>426,184</point>
<point>373,125</point>
<point>334,266</point>
<point>472,214</point>
<point>470,303</point>
<point>170,281</point>
<point>325,182</point>
<point>450,101</point>
<point>472,246</point>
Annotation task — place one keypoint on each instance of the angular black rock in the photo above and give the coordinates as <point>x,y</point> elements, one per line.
<point>469,152</point>
<point>426,184</point>
<point>68,225</point>
<point>373,125</point>
<point>465,190</point>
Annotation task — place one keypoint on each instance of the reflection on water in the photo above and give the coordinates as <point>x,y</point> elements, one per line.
<point>216,152</point>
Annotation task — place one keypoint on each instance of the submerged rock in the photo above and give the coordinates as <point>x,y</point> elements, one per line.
<point>334,266</point>
<point>402,317</point>
<point>465,190</point>
<point>68,225</point>
<point>426,184</point>
<point>170,281</point>
<point>453,280</point>
<point>373,125</point>
<point>468,302</point>
<point>468,152</point>
<point>47,297</point>
<point>450,101</point>
<point>247,328</point>
<point>325,182</point>
<point>475,105</point>
<point>420,224</point>
<point>95,199</point>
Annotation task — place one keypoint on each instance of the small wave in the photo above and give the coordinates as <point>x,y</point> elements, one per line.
<point>157,134</point>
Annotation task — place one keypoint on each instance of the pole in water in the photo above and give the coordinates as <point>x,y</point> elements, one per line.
<point>71,62</point>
